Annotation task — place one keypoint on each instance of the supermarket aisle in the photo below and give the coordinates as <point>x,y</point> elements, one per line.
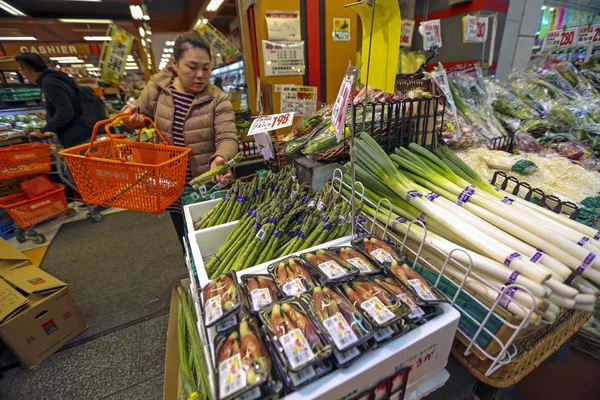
<point>120,272</point>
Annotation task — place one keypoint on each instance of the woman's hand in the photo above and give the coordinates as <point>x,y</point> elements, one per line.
<point>224,179</point>
<point>136,120</point>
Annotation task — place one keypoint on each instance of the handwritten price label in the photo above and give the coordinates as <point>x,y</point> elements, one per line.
<point>271,122</point>
<point>408,28</point>
<point>475,29</point>
<point>432,34</point>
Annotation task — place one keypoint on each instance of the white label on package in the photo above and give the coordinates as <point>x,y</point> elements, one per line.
<point>345,356</point>
<point>232,377</point>
<point>260,298</point>
<point>421,290</point>
<point>382,255</point>
<point>375,308</point>
<point>296,348</point>
<point>415,310</point>
<point>332,269</point>
<point>212,309</point>
<point>340,331</point>
<point>302,376</point>
<point>406,34</point>
<point>294,287</point>
<point>360,264</point>
<point>382,334</point>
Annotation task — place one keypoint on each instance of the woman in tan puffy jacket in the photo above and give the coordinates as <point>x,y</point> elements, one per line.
<point>190,111</point>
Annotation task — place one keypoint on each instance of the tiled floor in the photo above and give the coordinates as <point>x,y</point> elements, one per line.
<point>126,364</point>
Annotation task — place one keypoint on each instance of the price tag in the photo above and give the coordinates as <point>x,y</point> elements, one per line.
<point>415,310</point>
<point>232,377</point>
<point>360,264</point>
<point>432,34</point>
<point>421,290</point>
<point>406,34</point>
<point>332,269</point>
<point>375,308</point>
<point>475,29</point>
<point>302,376</point>
<point>345,356</point>
<point>340,331</point>
<point>270,122</point>
<point>296,348</point>
<point>212,309</point>
<point>260,235</point>
<point>561,38</point>
<point>340,107</point>
<point>293,287</point>
<point>382,255</point>
<point>382,334</point>
<point>587,35</point>
<point>321,206</point>
<point>260,298</point>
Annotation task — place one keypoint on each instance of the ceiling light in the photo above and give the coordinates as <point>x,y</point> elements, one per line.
<point>214,5</point>
<point>143,43</point>
<point>551,8</point>
<point>169,43</point>
<point>11,10</point>
<point>89,65</point>
<point>543,7</point>
<point>97,38</point>
<point>19,38</point>
<point>76,61</point>
<point>136,12</point>
<point>131,68</point>
<point>93,69</point>
<point>85,21</point>
<point>64,58</point>
<point>142,32</point>
<point>130,58</point>
<point>146,18</point>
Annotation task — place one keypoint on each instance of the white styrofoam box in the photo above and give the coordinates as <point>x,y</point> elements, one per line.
<point>194,211</point>
<point>426,349</point>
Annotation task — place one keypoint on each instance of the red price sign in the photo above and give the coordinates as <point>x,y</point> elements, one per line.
<point>340,107</point>
<point>475,29</point>
<point>587,35</point>
<point>408,28</point>
<point>271,122</point>
<point>561,38</point>
<point>432,34</point>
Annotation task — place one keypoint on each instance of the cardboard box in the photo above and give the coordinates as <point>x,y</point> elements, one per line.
<point>38,314</point>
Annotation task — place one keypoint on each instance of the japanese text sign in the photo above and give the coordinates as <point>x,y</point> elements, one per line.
<point>432,34</point>
<point>406,35</point>
<point>115,54</point>
<point>475,29</point>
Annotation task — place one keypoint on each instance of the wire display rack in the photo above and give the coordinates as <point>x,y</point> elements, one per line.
<point>498,354</point>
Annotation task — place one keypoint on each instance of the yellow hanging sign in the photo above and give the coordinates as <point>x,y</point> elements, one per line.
<point>385,45</point>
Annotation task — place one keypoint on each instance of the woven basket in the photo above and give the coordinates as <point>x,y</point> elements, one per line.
<point>533,350</point>
<point>586,342</point>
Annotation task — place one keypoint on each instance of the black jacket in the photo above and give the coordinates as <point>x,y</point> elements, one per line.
<point>63,108</point>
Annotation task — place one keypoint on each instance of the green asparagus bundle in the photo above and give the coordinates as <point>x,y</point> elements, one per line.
<point>220,170</point>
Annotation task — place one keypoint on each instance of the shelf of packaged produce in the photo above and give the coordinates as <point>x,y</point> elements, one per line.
<point>22,110</point>
<point>425,349</point>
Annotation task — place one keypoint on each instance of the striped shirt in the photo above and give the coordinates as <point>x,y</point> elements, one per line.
<point>183,102</point>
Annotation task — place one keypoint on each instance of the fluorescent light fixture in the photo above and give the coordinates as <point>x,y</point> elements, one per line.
<point>143,43</point>
<point>76,61</point>
<point>132,68</point>
<point>97,38</point>
<point>214,5</point>
<point>543,7</point>
<point>85,21</point>
<point>551,8</point>
<point>64,58</point>
<point>130,58</point>
<point>90,66</point>
<point>136,12</point>
<point>93,69</point>
<point>146,18</point>
<point>18,38</point>
<point>142,32</point>
<point>11,10</point>
<point>169,43</point>
<point>131,65</point>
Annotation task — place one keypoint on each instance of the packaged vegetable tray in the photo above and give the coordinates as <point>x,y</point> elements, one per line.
<point>297,340</point>
<point>378,305</point>
<point>294,380</point>
<point>418,309</point>
<point>291,276</point>
<point>413,281</point>
<point>221,298</point>
<point>244,364</point>
<point>328,267</point>
<point>260,291</point>
<point>358,259</point>
<point>378,250</point>
<point>342,323</point>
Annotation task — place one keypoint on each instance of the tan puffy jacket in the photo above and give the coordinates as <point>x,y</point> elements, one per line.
<point>209,128</point>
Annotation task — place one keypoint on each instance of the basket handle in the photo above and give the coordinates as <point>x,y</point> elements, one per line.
<point>110,122</point>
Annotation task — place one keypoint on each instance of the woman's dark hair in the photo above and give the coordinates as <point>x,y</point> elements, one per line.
<point>33,61</point>
<point>188,40</point>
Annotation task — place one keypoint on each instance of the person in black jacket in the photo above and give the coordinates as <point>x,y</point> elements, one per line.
<point>61,100</point>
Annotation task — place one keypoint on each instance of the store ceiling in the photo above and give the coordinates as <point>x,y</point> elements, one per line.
<point>165,16</point>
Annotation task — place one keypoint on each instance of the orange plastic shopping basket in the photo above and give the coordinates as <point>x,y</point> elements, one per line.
<point>27,211</point>
<point>24,159</point>
<point>128,174</point>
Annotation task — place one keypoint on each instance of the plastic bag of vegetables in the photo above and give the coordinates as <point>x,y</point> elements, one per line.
<point>324,140</point>
<point>567,116</point>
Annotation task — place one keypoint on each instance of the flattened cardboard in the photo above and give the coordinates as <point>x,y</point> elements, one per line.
<point>48,322</point>
<point>11,301</point>
<point>11,258</point>
<point>172,381</point>
<point>32,280</point>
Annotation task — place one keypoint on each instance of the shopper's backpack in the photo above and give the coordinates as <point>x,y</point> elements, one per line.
<point>92,107</point>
